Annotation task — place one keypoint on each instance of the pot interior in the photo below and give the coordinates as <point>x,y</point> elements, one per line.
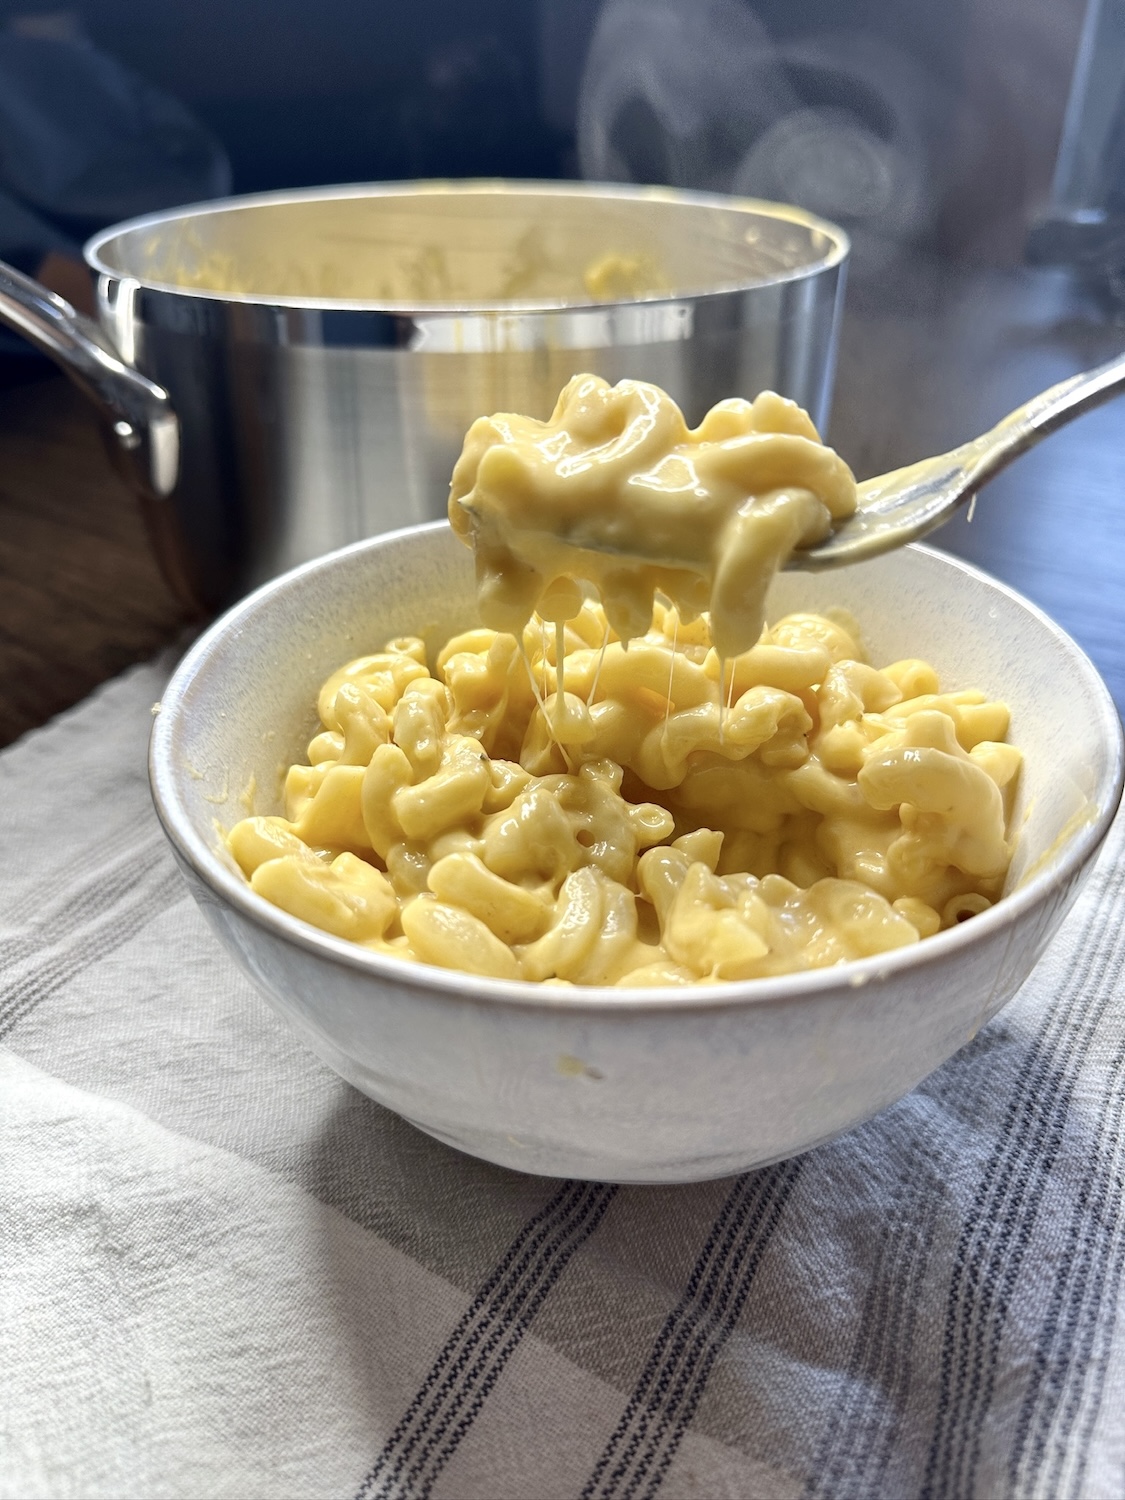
<point>472,245</point>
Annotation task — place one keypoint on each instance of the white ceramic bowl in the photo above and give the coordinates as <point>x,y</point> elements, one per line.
<point>656,1085</point>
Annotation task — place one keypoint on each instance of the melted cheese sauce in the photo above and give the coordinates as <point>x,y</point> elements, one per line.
<point>556,807</point>
<point>616,489</point>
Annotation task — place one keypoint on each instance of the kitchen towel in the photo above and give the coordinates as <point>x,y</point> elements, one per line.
<point>223,1272</point>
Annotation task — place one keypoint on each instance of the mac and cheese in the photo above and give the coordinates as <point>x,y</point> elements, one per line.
<point>634,817</point>
<point>616,489</point>
<point>650,789</point>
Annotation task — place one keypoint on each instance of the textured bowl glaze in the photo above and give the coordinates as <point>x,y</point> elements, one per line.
<point>644,1086</point>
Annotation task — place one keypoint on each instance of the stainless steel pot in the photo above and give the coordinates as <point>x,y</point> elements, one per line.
<point>286,373</point>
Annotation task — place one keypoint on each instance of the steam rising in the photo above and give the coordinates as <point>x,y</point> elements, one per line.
<point>696,94</point>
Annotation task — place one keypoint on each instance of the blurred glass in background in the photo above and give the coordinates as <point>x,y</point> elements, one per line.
<point>1084,225</point>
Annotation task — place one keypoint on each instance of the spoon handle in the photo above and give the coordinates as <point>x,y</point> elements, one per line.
<point>1042,415</point>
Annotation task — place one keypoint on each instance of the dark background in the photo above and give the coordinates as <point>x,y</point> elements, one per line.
<point>361,90</point>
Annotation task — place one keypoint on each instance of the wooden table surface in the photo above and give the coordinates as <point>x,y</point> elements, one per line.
<point>80,596</point>
<point>928,358</point>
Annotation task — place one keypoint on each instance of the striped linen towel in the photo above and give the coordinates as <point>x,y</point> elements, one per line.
<point>226,1273</point>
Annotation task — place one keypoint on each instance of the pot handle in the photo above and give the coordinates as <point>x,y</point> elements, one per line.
<point>145,429</point>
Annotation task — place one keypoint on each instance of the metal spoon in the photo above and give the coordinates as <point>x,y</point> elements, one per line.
<point>904,505</point>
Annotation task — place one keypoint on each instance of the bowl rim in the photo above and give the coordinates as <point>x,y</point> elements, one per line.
<point>456,985</point>
<point>837,253</point>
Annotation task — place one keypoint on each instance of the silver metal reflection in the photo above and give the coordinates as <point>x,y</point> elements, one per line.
<point>324,351</point>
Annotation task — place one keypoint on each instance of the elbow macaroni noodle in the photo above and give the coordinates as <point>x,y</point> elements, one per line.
<point>617,490</point>
<point>627,829</point>
<point>637,791</point>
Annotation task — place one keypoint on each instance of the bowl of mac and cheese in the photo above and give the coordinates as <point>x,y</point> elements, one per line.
<point>423,870</point>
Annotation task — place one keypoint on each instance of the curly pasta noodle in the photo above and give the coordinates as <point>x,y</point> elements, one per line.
<point>632,831</point>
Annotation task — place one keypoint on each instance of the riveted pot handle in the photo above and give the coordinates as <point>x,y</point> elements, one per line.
<point>144,428</point>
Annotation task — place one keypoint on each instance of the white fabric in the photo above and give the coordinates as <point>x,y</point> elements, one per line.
<point>224,1272</point>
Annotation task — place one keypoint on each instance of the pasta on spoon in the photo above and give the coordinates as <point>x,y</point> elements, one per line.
<point>615,488</point>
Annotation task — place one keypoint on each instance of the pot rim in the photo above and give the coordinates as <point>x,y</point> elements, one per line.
<point>839,244</point>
